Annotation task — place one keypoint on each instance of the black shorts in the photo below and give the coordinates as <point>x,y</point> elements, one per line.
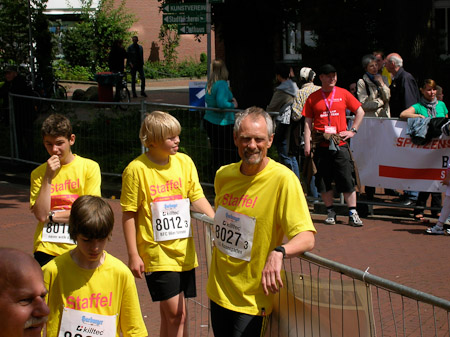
<point>334,166</point>
<point>228,323</point>
<point>43,258</point>
<point>167,284</point>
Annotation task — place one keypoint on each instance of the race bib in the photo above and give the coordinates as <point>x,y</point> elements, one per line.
<point>330,129</point>
<point>75,323</point>
<point>171,219</point>
<point>233,233</point>
<point>56,232</point>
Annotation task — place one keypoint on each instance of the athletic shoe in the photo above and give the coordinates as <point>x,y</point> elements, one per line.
<point>436,230</point>
<point>354,220</point>
<point>331,218</point>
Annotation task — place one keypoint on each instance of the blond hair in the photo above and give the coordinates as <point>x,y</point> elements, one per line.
<point>158,126</point>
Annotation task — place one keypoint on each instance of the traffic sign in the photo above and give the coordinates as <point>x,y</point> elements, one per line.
<point>184,19</point>
<point>184,8</point>
<point>192,29</point>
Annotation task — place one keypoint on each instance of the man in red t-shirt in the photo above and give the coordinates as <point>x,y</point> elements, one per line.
<point>324,113</point>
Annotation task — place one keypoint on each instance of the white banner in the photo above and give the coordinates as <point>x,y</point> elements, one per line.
<point>386,157</point>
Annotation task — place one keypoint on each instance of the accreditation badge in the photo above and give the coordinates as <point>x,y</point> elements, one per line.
<point>233,233</point>
<point>75,323</point>
<point>171,219</point>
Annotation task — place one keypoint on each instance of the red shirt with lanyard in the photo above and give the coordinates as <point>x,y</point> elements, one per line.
<point>327,110</point>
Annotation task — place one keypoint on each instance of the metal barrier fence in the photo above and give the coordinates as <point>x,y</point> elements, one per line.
<point>325,298</point>
<point>107,132</point>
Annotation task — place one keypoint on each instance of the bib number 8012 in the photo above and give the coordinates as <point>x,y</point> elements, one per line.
<point>54,227</point>
<point>169,223</point>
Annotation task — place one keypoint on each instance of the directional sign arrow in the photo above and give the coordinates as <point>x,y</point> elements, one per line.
<point>184,8</point>
<point>180,19</point>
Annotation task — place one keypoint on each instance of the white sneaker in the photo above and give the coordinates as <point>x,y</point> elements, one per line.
<point>436,230</point>
<point>331,218</point>
<point>354,220</point>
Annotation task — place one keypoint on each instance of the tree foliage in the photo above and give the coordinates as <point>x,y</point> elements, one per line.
<point>89,41</point>
<point>14,33</point>
<point>170,40</point>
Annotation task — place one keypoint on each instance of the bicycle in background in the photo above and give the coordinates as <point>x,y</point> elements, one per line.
<point>122,93</point>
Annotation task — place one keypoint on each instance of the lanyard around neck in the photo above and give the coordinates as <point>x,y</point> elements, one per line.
<point>330,103</point>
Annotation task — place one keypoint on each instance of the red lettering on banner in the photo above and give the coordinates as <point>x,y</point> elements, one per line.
<point>410,173</point>
<point>434,144</point>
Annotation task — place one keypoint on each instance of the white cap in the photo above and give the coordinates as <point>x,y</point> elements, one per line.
<point>304,73</point>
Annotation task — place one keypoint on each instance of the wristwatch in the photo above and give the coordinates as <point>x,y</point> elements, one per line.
<point>354,130</point>
<point>50,216</point>
<point>281,250</point>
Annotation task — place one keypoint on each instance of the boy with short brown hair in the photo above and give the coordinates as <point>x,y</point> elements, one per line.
<point>55,185</point>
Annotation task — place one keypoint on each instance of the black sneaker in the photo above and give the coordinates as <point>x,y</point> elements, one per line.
<point>143,94</point>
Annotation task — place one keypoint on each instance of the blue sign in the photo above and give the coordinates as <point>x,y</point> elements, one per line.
<point>197,93</point>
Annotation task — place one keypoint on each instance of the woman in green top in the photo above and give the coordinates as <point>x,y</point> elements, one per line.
<point>428,106</point>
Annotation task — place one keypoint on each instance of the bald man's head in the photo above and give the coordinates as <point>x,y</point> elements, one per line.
<point>22,306</point>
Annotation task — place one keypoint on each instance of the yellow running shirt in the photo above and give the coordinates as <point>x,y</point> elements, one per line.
<point>275,199</point>
<point>79,177</point>
<point>108,291</point>
<point>144,182</point>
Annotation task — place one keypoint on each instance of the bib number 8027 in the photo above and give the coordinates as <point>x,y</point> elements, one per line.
<point>228,236</point>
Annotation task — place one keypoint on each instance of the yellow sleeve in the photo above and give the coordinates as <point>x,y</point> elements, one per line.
<point>131,321</point>
<point>93,179</point>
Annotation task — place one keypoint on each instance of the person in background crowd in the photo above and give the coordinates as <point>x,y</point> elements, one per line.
<point>404,94</point>
<point>439,93</point>
<point>287,132</point>
<point>428,106</point>
<point>325,121</point>
<point>373,92</point>
<point>23,311</point>
<point>379,55</point>
<point>116,61</point>
<point>307,86</point>
<point>352,88</point>
<point>24,114</point>
<point>404,90</point>
<point>219,124</point>
<point>135,60</point>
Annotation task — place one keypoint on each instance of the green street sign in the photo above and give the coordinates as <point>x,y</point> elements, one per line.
<point>184,8</point>
<point>184,19</point>
<point>192,29</point>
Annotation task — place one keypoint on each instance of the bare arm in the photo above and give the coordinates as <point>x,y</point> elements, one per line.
<point>203,206</point>
<point>410,113</point>
<point>359,115</point>
<point>271,276</point>
<point>307,136</point>
<point>135,262</point>
<point>41,207</point>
